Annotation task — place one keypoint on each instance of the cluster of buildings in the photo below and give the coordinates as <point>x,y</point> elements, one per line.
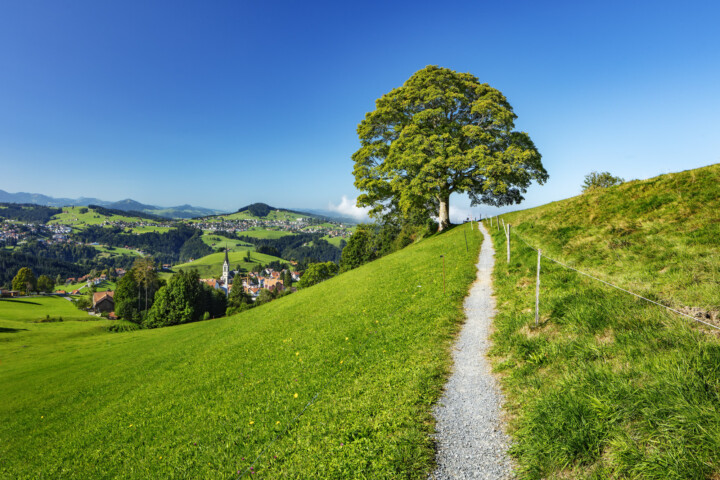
<point>299,225</point>
<point>12,233</point>
<point>252,283</point>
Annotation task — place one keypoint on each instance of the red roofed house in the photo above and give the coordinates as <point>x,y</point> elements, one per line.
<point>103,302</point>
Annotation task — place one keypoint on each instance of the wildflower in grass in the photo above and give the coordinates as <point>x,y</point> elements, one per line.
<point>251,422</point>
<point>346,339</point>
<point>297,353</point>
<point>277,423</point>
<point>296,395</point>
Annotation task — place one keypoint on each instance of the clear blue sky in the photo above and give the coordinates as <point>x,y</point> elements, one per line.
<point>220,104</point>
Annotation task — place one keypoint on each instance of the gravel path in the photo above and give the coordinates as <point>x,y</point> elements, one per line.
<point>471,443</point>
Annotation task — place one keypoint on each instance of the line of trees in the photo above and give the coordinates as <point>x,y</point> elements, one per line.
<point>28,212</point>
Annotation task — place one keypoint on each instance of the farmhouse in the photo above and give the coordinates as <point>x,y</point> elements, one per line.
<point>103,302</point>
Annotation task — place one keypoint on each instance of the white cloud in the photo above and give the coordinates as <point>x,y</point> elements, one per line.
<point>347,207</point>
<point>459,215</point>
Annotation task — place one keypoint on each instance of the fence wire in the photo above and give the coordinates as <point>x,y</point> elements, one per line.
<point>514,233</point>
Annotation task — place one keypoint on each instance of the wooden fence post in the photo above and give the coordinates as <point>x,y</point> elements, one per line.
<point>507,236</point>
<point>537,290</point>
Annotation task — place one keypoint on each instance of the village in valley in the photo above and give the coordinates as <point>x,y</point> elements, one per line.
<point>112,243</point>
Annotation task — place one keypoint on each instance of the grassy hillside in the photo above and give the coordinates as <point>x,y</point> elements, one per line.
<point>216,241</point>
<point>275,215</point>
<point>363,355</point>
<point>71,216</point>
<point>24,312</point>
<point>264,233</point>
<point>658,236</point>
<point>210,266</point>
<point>609,386</point>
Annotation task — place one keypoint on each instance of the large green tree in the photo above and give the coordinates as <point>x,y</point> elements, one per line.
<point>24,280</point>
<point>127,298</point>
<point>45,284</point>
<point>440,133</point>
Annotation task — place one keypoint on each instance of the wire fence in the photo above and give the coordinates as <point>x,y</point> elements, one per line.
<point>513,232</point>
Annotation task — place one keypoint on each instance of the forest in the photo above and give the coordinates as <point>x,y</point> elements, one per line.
<point>179,244</point>
<point>27,212</point>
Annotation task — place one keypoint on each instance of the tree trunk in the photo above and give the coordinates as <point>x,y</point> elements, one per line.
<point>444,213</point>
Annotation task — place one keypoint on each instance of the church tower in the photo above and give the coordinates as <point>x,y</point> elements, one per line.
<point>226,269</point>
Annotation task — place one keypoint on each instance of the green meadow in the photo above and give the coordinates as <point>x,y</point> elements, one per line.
<point>71,216</point>
<point>608,385</point>
<point>147,229</point>
<point>218,241</point>
<point>334,381</point>
<point>265,233</point>
<point>210,266</point>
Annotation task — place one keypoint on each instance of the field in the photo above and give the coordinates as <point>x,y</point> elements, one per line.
<point>264,233</point>
<point>35,309</point>
<point>274,215</point>
<point>608,385</point>
<point>335,381</point>
<point>113,251</point>
<point>71,216</point>
<point>210,266</point>
<point>103,286</point>
<point>334,240</point>
<point>218,241</point>
<point>147,229</point>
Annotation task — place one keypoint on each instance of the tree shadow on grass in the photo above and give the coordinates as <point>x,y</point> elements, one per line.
<point>19,301</point>
<point>12,330</point>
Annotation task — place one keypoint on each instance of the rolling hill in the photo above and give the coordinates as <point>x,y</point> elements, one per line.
<point>333,381</point>
<point>608,385</point>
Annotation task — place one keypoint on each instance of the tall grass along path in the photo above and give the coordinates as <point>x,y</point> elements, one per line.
<point>471,442</point>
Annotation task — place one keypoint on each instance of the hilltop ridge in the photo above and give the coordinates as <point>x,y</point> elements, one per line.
<point>658,236</point>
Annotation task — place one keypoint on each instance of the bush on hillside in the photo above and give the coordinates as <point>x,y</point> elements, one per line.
<point>317,272</point>
<point>595,180</point>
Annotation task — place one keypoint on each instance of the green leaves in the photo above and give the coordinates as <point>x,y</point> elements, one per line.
<point>442,132</point>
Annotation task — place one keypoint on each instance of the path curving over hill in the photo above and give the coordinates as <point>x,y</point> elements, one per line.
<point>470,439</point>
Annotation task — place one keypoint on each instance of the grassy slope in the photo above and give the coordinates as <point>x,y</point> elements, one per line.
<point>609,386</point>
<point>246,215</point>
<point>71,216</point>
<point>203,400</point>
<point>34,309</point>
<point>658,236</point>
<point>262,233</point>
<point>210,266</point>
<point>215,241</point>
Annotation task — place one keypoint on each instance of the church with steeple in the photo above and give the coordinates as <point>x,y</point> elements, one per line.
<point>225,278</point>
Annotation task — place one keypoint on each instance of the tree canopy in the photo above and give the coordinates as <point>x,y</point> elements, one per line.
<point>24,281</point>
<point>442,132</point>
<point>595,180</point>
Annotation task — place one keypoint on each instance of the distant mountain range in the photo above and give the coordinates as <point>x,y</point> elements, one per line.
<point>181,211</point>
